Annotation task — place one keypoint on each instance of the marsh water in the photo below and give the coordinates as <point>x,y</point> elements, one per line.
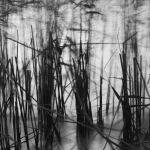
<point>106,40</point>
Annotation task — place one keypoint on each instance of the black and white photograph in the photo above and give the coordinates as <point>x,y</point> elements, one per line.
<point>74,74</point>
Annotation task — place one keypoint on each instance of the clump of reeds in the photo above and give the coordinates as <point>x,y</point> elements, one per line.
<point>82,101</point>
<point>17,99</point>
<point>50,91</point>
<point>132,97</point>
<point>125,102</point>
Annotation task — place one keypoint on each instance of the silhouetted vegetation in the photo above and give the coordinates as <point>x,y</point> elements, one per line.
<point>38,84</point>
